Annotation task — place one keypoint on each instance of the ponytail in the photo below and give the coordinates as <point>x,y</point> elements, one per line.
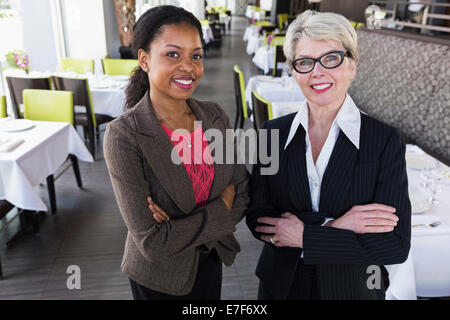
<point>136,88</point>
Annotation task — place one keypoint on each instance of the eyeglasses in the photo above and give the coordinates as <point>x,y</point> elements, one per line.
<point>329,60</point>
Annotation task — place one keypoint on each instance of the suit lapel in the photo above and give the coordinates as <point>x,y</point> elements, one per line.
<point>338,175</point>
<point>157,151</point>
<point>297,173</point>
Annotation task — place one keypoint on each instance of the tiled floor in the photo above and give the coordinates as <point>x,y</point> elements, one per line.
<point>88,230</point>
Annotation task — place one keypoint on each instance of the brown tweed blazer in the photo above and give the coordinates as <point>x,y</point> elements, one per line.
<point>164,256</point>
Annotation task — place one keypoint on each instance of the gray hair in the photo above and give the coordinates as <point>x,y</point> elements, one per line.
<point>320,26</point>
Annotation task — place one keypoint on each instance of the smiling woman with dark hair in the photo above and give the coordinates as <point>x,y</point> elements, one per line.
<point>179,236</point>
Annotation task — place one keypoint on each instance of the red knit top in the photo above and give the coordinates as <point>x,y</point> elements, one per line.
<point>197,161</point>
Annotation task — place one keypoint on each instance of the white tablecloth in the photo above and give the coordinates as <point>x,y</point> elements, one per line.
<point>273,89</point>
<point>108,95</point>
<point>253,14</point>
<point>255,41</point>
<point>207,34</point>
<point>107,92</point>
<point>224,18</point>
<point>265,59</point>
<point>44,150</point>
<point>426,273</point>
<point>248,31</point>
<point>282,108</point>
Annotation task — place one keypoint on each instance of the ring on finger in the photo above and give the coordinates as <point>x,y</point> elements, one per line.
<point>272,239</point>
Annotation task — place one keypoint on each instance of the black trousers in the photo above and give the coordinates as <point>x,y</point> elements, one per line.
<point>304,286</point>
<point>207,286</point>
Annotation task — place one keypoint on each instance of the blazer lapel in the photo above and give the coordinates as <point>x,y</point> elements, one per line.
<point>338,175</point>
<point>298,184</point>
<point>210,121</point>
<point>157,151</point>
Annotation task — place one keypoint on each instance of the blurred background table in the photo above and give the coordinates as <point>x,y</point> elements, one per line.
<point>264,59</point>
<point>45,148</point>
<point>281,89</point>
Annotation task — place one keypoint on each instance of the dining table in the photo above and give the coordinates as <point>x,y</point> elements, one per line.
<point>255,13</point>
<point>264,59</point>
<point>224,18</point>
<point>426,273</point>
<point>107,94</point>
<point>273,89</point>
<point>107,91</point>
<point>30,151</point>
<point>208,35</point>
<point>253,38</point>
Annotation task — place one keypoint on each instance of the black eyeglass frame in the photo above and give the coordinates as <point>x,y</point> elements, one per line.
<point>341,53</point>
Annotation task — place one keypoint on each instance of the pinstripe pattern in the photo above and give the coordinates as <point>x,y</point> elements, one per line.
<point>374,174</point>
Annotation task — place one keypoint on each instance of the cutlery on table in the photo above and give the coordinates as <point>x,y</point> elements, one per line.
<point>432,225</point>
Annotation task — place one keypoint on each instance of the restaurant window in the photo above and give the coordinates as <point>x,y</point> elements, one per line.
<point>10,27</point>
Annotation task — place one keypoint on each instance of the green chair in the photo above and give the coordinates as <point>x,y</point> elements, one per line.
<point>16,86</point>
<point>107,56</point>
<point>263,23</point>
<point>204,23</point>
<point>282,18</point>
<point>48,105</point>
<point>80,66</point>
<point>242,111</point>
<point>3,113</point>
<point>262,110</point>
<point>115,67</point>
<point>89,120</point>
<point>51,105</point>
<point>277,41</point>
<point>266,35</point>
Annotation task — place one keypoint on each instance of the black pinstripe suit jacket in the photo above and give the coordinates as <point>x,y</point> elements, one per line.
<point>376,173</point>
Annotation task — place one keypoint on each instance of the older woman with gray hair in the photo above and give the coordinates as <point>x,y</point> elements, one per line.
<point>338,209</point>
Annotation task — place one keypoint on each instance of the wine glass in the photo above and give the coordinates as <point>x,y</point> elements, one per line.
<point>440,175</point>
<point>430,185</point>
<point>284,76</point>
<point>88,71</point>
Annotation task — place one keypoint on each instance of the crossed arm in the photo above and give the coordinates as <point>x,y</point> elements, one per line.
<point>378,232</point>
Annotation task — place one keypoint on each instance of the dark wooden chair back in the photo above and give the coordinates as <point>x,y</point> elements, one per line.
<point>80,90</point>
<point>260,111</point>
<point>267,29</point>
<point>213,17</point>
<point>17,85</point>
<point>5,208</point>
<point>279,57</point>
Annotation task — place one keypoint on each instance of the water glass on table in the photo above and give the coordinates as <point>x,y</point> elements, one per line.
<point>88,72</point>
<point>285,76</point>
<point>431,185</point>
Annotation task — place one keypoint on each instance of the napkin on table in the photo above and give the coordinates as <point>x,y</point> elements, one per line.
<point>9,144</point>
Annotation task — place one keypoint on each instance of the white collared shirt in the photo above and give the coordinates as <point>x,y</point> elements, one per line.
<point>348,120</point>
